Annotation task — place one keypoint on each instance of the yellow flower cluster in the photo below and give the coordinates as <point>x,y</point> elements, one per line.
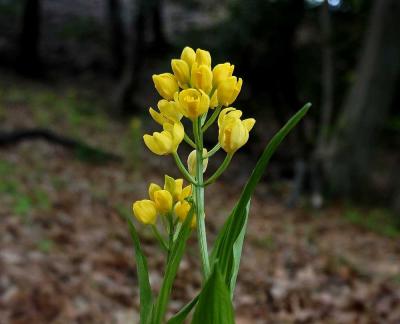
<point>164,201</point>
<point>192,89</point>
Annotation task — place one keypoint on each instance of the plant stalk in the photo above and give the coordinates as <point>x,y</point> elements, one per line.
<point>199,199</point>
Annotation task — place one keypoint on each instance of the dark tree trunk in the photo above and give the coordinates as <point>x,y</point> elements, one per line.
<point>320,156</point>
<point>117,36</point>
<point>28,56</point>
<point>124,91</point>
<point>158,25</point>
<point>368,101</point>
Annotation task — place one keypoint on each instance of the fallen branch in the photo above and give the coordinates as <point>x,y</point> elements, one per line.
<point>82,149</point>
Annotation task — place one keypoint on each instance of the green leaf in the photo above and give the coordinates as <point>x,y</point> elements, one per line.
<point>214,305</point>
<point>237,252</point>
<point>179,317</point>
<point>143,275</point>
<point>224,248</point>
<point>174,260</point>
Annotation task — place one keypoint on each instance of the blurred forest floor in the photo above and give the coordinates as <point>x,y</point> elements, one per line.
<point>66,254</point>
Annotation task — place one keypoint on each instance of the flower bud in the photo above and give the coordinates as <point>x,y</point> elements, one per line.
<point>145,211</point>
<point>228,90</point>
<point>192,162</point>
<point>166,85</point>
<point>167,141</point>
<point>181,72</point>
<point>202,77</point>
<point>188,55</point>
<point>163,201</point>
<point>192,103</point>
<point>221,72</point>
<point>203,57</point>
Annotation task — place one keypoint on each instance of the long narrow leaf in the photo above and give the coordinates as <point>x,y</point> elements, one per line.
<point>223,248</point>
<point>237,252</point>
<point>177,251</point>
<point>179,317</point>
<point>214,305</point>
<point>143,275</point>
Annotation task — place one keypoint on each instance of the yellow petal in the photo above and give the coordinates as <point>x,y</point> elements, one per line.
<point>178,189</point>
<point>152,189</point>
<point>203,57</point>
<point>188,55</point>
<point>158,118</point>
<point>221,72</point>
<point>152,145</point>
<point>181,72</point>
<point>214,99</point>
<point>186,192</point>
<point>249,123</point>
<point>177,135</point>
<point>163,201</point>
<point>223,113</point>
<point>169,184</point>
<point>181,210</point>
<point>201,77</point>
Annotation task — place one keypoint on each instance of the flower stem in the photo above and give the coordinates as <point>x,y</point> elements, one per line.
<point>214,150</point>
<point>199,198</point>
<point>220,170</point>
<point>182,168</point>
<point>159,238</point>
<point>188,140</point>
<point>211,120</point>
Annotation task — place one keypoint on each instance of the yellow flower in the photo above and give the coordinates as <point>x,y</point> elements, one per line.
<point>203,57</point>
<point>233,132</point>
<point>228,90</point>
<point>145,211</point>
<point>152,189</point>
<point>166,85</point>
<point>221,72</point>
<point>182,209</point>
<point>192,103</point>
<point>163,201</point>
<point>191,161</point>
<point>167,141</point>
<point>176,189</point>
<point>181,72</point>
<point>202,77</point>
<point>169,112</point>
<point>188,55</point>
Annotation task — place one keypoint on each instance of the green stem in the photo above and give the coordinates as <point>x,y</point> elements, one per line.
<point>159,238</point>
<point>211,120</point>
<point>199,198</point>
<point>214,150</point>
<point>188,140</point>
<point>182,168</point>
<point>170,234</point>
<point>178,229</point>
<point>220,170</point>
